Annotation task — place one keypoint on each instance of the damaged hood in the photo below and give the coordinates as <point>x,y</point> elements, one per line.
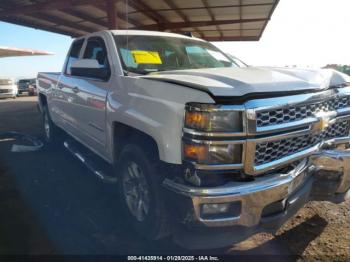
<point>239,82</point>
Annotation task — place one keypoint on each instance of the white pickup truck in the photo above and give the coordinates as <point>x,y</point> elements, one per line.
<point>203,149</point>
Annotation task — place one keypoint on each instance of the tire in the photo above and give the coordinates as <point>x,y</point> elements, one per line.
<point>152,223</point>
<point>51,131</point>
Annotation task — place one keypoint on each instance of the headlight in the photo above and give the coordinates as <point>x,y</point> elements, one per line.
<point>208,118</point>
<point>212,154</point>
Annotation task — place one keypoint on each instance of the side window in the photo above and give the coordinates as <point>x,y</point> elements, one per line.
<point>74,54</point>
<point>96,49</point>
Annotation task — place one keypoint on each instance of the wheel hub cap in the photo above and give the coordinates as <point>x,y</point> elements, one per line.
<point>136,191</point>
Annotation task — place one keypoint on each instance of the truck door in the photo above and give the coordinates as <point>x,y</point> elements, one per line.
<point>90,95</point>
<point>63,95</point>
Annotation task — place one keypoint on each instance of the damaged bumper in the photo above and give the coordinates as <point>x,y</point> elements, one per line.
<point>267,202</point>
<point>332,176</point>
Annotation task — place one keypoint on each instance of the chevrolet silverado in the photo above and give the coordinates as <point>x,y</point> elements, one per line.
<point>204,149</point>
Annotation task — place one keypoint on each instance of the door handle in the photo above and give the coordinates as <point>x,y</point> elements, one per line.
<point>76,89</point>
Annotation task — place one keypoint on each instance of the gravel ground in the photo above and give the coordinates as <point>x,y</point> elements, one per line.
<point>50,204</point>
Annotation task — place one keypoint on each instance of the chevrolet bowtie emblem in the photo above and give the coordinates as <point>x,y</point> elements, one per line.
<point>322,124</point>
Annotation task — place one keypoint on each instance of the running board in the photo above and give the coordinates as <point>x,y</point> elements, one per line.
<point>89,163</point>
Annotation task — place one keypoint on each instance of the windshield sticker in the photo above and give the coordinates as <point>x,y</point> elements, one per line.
<point>146,57</point>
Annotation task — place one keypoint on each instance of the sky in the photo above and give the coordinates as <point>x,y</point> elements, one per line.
<point>305,33</point>
<point>24,37</point>
<point>301,32</point>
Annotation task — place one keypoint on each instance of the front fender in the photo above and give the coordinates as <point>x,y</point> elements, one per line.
<point>155,108</point>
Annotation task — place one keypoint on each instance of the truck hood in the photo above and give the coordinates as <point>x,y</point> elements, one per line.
<point>238,82</point>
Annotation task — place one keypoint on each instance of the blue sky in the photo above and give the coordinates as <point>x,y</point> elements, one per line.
<point>24,37</point>
<point>308,33</point>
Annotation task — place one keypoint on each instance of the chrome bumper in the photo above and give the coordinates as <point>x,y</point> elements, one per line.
<point>264,191</point>
<point>7,95</point>
<point>335,161</point>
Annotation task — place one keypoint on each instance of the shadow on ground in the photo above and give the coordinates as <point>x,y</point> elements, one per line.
<point>49,204</point>
<point>45,210</point>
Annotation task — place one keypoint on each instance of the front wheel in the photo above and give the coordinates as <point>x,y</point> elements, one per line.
<point>141,195</point>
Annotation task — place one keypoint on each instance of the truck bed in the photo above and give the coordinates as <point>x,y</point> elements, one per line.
<point>47,80</point>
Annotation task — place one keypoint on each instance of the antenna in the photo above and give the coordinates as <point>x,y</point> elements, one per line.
<point>127,24</point>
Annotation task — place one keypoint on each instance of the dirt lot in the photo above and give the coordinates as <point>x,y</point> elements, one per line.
<point>51,204</point>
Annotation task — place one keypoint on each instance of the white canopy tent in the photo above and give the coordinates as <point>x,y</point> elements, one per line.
<point>11,51</point>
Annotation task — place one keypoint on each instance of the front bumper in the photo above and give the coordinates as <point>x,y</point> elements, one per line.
<point>7,95</point>
<point>324,175</point>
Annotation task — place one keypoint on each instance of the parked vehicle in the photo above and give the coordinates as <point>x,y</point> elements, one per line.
<point>8,89</point>
<point>24,85</point>
<point>32,91</point>
<point>204,150</point>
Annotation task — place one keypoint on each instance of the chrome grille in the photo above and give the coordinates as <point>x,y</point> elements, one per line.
<point>299,112</point>
<point>274,150</point>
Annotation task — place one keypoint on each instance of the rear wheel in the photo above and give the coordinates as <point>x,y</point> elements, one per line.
<point>51,131</point>
<point>141,195</point>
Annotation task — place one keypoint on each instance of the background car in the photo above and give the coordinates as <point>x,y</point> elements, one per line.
<point>32,89</point>
<point>8,88</point>
<point>23,85</point>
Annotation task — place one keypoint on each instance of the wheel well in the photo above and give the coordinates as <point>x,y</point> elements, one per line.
<point>124,134</point>
<point>42,100</point>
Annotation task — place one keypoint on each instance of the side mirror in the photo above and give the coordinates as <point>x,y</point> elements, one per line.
<point>89,68</point>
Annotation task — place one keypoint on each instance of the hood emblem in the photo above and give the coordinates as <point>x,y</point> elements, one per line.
<point>322,124</point>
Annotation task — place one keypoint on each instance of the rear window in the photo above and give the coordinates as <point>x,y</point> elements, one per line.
<point>74,54</point>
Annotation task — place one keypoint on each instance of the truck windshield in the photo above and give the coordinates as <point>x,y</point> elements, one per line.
<point>147,54</point>
<point>26,81</point>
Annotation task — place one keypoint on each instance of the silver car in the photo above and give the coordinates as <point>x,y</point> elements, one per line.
<point>8,88</point>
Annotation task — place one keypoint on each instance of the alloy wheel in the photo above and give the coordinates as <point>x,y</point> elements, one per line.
<point>136,191</point>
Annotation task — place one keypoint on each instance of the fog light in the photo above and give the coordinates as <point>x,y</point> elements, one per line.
<point>212,209</point>
<point>230,210</point>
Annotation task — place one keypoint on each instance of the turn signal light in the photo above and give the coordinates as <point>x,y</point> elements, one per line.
<point>209,118</point>
<point>196,152</point>
<point>197,120</point>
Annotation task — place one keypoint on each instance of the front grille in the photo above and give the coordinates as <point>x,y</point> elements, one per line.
<point>274,150</point>
<point>299,112</point>
<point>4,91</point>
